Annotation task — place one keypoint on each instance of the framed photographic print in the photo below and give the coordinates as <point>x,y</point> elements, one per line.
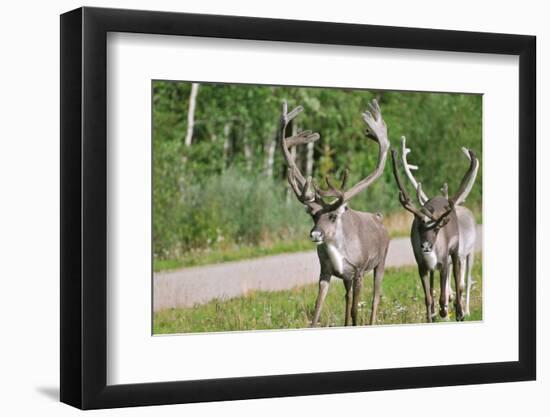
<point>257,208</point>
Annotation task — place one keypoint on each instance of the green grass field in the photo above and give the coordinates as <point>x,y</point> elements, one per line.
<point>402,303</point>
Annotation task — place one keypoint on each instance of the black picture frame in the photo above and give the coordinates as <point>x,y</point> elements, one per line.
<point>84,207</point>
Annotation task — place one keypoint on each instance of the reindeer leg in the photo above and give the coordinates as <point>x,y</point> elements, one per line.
<point>377,290</point>
<point>469,266</point>
<point>432,293</point>
<point>427,292</point>
<point>349,292</point>
<point>458,272</point>
<point>357,286</point>
<point>444,296</point>
<point>324,283</point>
<point>450,295</point>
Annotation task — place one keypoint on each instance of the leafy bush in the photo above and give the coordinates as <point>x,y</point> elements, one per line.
<point>227,209</point>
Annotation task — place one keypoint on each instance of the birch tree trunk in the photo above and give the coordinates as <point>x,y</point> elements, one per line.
<point>293,156</point>
<point>191,113</point>
<point>309,160</point>
<point>226,144</point>
<point>247,150</point>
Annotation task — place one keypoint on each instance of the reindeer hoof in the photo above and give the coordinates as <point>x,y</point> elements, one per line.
<point>443,312</point>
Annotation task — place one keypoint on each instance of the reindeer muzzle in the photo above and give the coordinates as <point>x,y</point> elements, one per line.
<point>316,236</point>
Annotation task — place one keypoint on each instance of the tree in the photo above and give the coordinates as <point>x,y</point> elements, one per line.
<point>191,113</point>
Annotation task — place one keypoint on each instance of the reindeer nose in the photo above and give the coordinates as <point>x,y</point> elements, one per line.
<point>426,247</point>
<point>316,235</point>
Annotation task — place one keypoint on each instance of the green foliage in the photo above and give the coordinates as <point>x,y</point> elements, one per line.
<point>226,210</point>
<point>217,191</point>
<point>402,302</point>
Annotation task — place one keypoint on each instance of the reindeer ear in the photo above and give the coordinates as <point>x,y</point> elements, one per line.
<point>309,210</point>
<point>443,223</point>
<point>342,209</point>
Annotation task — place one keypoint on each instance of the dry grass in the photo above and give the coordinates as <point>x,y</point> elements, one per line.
<point>398,223</point>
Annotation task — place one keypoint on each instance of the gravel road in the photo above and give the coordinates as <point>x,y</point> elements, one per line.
<point>197,285</point>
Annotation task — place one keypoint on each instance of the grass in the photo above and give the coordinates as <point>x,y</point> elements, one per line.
<point>231,253</point>
<point>402,302</point>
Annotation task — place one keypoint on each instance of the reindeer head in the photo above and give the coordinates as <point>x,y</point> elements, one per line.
<point>327,207</point>
<point>327,225</point>
<point>437,212</point>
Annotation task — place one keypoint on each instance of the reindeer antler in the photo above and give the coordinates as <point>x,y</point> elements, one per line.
<point>445,190</point>
<point>421,195</point>
<point>298,183</point>
<point>378,132</point>
<point>464,189</point>
<point>332,191</point>
<point>468,180</point>
<point>404,196</point>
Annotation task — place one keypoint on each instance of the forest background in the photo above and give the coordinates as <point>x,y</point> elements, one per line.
<point>219,180</point>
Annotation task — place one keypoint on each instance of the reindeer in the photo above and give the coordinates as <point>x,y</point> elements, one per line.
<point>442,234</point>
<point>349,243</point>
<point>466,223</point>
